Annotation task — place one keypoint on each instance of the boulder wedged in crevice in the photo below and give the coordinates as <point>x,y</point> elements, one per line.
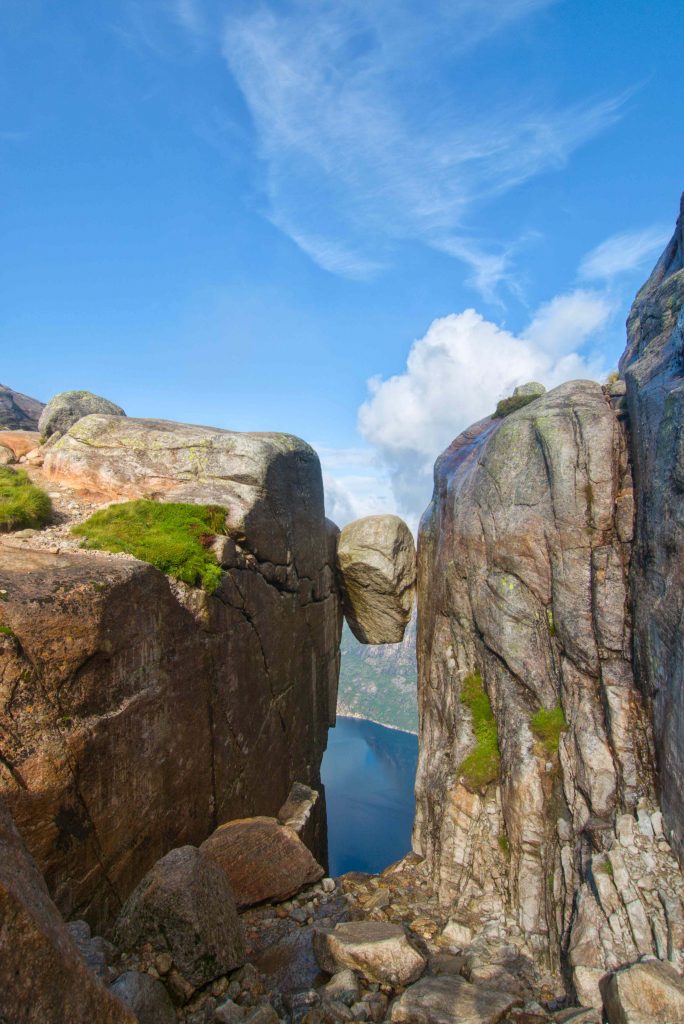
<point>376,570</point>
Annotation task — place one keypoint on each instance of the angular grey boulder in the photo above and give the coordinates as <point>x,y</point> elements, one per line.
<point>146,997</point>
<point>451,1000</point>
<point>532,389</point>
<point>644,993</point>
<point>377,950</point>
<point>68,407</point>
<point>184,906</point>
<point>376,563</point>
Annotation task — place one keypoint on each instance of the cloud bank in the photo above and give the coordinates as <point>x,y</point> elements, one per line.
<point>458,371</point>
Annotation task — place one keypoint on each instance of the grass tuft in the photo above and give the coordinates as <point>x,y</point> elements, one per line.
<point>23,506</point>
<point>482,765</point>
<point>172,536</point>
<point>547,727</point>
<point>511,404</point>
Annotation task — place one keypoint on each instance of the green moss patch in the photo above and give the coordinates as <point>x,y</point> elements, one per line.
<point>23,506</point>
<point>547,727</point>
<point>174,537</point>
<point>482,765</point>
<point>511,404</point>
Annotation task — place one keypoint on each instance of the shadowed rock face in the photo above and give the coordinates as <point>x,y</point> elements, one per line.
<point>653,367</point>
<point>137,714</point>
<point>18,412</point>
<point>43,979</point>
<point>523,567</point>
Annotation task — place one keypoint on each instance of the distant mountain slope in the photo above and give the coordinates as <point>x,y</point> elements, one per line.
<point>379,683</point>
<point>18,412</point>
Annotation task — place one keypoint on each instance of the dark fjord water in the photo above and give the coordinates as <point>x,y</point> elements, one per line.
<point>368,772</point>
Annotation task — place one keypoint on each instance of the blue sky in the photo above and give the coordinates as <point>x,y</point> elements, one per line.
<point>362,223</point>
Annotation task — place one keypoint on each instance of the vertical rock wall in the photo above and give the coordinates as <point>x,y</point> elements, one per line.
<point>653,367</point>
<point>137,713</point>
<point>524,562</point>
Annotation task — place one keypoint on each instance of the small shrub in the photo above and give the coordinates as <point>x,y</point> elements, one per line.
<point>511,404</point>
<point>547,727</point>
<point>482,764</point>
<point>171,536</point>
<point>23,506</point>
<point>604,867</point>
<point>613,377</point>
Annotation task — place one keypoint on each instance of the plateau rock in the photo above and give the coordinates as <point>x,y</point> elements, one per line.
<point>43,979</point>
<point>17,411</point>
<point>184,907</point>
<point>69,407</point>
<point>535,784</point>
<point>376,564</point>
<point>652,365</point>
<point>107,666</point>
<point>262,859</point>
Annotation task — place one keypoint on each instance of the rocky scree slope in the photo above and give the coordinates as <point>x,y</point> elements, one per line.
<point>537,792</point>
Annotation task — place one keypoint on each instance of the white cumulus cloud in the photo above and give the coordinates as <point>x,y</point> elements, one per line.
<point>455,375</point>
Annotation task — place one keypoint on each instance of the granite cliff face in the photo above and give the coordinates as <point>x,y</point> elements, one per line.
<point>547,730</point>
<point>138,713</point>
<point>653,368</point>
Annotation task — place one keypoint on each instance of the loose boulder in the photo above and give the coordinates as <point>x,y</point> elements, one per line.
<point>644,993</point>
<point>262,860</point>
<point>43,979</point>
<point>377,950</point>
<point>184,906</point>
<point>69,407</point>
<point>146,997</point>
<point>296,810</point>
<point>6,456</point>
<point>376,562</point>
<point>451,1000</point>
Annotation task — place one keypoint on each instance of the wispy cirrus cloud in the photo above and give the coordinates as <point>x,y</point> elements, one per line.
<point>624,252</point>
<point>369,137</point>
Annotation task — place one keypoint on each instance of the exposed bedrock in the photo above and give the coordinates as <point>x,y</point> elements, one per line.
<point>137,713</point>
<point>535,789</point>
<point>376,564</point>
<point>653,367</point>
